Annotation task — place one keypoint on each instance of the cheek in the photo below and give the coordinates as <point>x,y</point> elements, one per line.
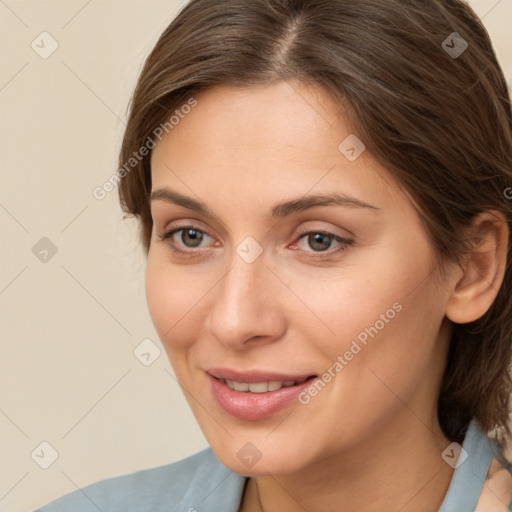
<point>172,301</point>
<point>378,314</point>
<point>346,304</point>
<point>393,343</point>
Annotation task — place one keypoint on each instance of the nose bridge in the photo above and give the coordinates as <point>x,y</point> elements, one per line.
<point>244,307</point>
<point>239,287</point>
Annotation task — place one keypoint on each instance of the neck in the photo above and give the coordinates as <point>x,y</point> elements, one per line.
<point>398,469</point>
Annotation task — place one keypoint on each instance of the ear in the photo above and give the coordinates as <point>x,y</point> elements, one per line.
<point>481,274</point>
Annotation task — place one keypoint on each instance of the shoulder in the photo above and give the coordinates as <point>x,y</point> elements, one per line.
<point>496,494</point>
<point>154,489</point>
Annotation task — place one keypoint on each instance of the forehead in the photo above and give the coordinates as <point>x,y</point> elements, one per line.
<point>265,140</point>
<point>277,116</point>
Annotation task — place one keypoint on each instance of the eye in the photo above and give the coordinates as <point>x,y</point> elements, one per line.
<point>191,237</point>
<point>319,241</point>
<point>322,242</point>
<point>183,240</point>
<point>185,236</point>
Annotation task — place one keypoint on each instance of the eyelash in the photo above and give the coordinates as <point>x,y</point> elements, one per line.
<point>169,234</point>
<point>302,232</point>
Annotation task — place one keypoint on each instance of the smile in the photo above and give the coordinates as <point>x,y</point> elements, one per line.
<point>260,387</point>
<point>258,399</point>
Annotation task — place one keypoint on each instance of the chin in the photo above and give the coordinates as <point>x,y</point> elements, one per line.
<point>259,458</point>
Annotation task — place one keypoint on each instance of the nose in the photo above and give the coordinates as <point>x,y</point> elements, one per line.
<point>245,306</point>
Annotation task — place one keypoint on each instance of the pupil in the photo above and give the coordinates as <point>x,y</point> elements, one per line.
<point>191,237</point>
<point>319,241</point>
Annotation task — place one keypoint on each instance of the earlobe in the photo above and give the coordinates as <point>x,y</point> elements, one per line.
<point>483,269</point>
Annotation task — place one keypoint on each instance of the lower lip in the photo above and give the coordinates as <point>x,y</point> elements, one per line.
<point>255,406</point>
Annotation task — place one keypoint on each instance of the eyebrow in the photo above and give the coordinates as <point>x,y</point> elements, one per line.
<point>280,210</point>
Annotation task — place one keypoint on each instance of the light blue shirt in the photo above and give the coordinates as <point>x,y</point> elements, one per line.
<point>200,483</point>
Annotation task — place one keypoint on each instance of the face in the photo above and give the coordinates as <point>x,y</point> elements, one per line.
<point>276,257</point>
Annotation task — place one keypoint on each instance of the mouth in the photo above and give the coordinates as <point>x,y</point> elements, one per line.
<point>262,387</point>
<point>258,395</point>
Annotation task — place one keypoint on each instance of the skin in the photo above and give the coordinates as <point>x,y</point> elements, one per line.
<point>371,438</point>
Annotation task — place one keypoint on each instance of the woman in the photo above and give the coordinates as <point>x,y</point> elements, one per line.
<point>324,195</point>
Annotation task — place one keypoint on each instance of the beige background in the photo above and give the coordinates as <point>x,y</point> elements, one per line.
<point>69,326</point>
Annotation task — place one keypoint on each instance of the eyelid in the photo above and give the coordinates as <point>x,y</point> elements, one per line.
<point>187,224</point>
<point>301,232</point>
<point>173,229</point>
<point>343,244</point>
<point>306,228</point>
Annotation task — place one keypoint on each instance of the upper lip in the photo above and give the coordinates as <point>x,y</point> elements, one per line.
<point>252,376</point>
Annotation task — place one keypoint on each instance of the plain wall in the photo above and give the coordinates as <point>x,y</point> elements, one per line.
<point>70,323</point>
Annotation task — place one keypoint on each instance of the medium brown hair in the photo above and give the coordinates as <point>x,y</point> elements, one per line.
<point>440,123</point>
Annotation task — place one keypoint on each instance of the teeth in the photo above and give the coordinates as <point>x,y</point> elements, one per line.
<point>260,387</point>
<point>274,385</point>
<point>239,386</point>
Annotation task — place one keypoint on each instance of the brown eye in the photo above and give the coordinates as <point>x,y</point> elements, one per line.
<point>323,243</point>
<point>191,237</point>
<point>319,241</point>
<point>187,237</point>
